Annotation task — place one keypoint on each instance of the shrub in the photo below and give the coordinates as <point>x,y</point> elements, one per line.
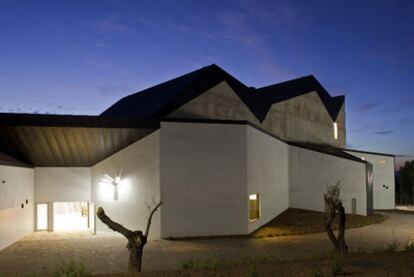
<point>252,271</point>
<point>71,269</point>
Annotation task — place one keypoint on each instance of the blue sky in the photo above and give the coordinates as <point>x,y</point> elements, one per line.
<point>79,57</point>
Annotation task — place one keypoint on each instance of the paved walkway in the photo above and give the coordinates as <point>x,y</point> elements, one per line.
<point>41,252</point>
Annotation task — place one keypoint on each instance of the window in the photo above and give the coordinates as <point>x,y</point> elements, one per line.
<point>254,207</point>
<point>335,128</point>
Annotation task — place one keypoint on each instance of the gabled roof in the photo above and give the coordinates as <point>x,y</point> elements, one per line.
<point>162,99</point>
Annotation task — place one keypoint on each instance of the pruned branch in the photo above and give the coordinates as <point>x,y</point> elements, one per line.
<point>113,225</point>
<point>150,218</point>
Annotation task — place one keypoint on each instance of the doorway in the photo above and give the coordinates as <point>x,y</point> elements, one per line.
<point>42,217</point>
<point>70,216</point>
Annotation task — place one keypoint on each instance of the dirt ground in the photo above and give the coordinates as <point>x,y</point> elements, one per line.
<point>297,221</point>
<point>374,264</point>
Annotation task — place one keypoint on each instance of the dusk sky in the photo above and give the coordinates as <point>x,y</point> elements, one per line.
<point>79,57</point>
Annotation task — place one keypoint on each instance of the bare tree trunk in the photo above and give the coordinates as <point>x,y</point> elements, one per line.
<point>136,239</point>
<point>338,242</point>
<point>342,247</point>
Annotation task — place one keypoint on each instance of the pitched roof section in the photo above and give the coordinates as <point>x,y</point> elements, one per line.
<point>162,99</point>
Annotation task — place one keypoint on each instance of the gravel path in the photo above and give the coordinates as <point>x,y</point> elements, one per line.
<point>40,252</point>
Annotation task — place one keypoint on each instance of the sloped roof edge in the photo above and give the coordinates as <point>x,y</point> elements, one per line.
<point>164,98</point>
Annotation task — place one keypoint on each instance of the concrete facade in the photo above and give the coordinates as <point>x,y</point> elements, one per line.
<point>311,171</point>
<point>16,203</point>
<point>138,165</point>
<point>303,118</point>
<point>62,184</point>
<point>203,184</point>
<point>267,174</point>
<point>384,178</point>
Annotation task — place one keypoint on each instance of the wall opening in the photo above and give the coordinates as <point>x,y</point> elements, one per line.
<point>42,217</point>
<point>335,128</point>
<point>70,216</point>
<point>254,207</point>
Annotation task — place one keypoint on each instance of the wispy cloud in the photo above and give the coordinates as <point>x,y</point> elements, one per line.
<point>406,121</point>
<point>384,132</point>
<point>101,44</point>
<point>112,23</point>
<point>180,27</point>
<point>100,64</point>
<point>113,90</point>
<point>368,106</point>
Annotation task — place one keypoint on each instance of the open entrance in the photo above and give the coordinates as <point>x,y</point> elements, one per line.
<point>70,216</point>
<point>42,218</point>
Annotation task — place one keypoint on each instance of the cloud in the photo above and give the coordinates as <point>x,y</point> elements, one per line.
<point>179,27</point>
<point>113,90</point>
<point>112,23</point>
<point>367,106</point>
<point>101,65</point>
<point>406,121</point>
<point>101,44</point>
<point>384,132</point>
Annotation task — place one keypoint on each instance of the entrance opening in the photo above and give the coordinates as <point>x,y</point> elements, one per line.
<point>70,216</point>
<point>41,217</point>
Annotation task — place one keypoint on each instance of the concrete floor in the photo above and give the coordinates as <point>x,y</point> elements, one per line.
<point>39,253</point>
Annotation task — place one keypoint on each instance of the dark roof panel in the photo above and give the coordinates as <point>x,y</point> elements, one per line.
<point>162,99</point>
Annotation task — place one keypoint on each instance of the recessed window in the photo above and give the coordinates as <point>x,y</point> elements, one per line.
<point>335,128</point>
<point>382,161</point>
<point>254,206</point>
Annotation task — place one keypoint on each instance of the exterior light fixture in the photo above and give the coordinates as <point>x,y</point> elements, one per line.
<point>115,182</point>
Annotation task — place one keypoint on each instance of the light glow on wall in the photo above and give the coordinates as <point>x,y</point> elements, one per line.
<point>114,190</point>
<point>114,182</point>
<point>335,127</point>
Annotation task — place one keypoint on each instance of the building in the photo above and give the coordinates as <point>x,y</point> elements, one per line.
<point>224,158</point>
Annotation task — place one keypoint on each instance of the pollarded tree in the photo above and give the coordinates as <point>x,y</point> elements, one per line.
<point>335,207</point>
<point>136,239</point>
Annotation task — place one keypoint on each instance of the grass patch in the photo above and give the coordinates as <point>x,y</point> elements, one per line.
<point>71,269</point>
<point>298,222</point>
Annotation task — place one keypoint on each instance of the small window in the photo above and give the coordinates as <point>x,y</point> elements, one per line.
<point>335,128</point>
<point>354,205</point>
<point>254,207</point>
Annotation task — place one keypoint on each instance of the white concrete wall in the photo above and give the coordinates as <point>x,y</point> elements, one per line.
<point>267,175</point>
<point>203,179</point>
<point>15,221</point>
<point>384,176</point>
<point>310,171</point>
<point>138,166</point>
<point>62,184</point>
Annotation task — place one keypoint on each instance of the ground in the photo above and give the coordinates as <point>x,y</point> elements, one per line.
<point>297,221</point>
<point>40,252</point>
<point>359,264</point>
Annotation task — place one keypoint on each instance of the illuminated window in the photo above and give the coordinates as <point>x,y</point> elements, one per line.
<point>382,161</point>
<point>335,127</point>
<point>254,206</point>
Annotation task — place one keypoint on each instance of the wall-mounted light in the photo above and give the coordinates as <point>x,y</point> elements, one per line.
<point>115,182</point>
